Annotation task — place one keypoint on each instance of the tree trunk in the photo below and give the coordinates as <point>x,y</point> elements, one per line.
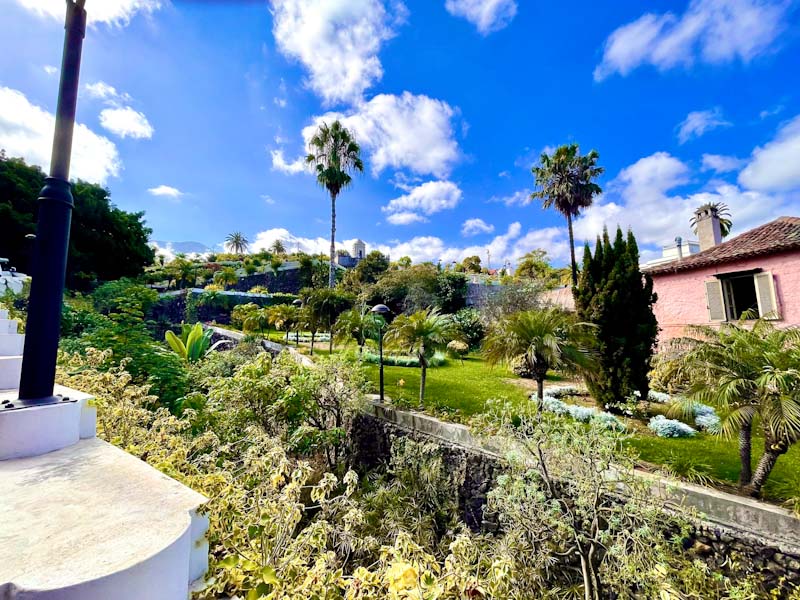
<point>330,338</point>
<point>332,272</point>
<point>772,451</point>
<point>313,335</point>
<point>422,380</point>
<point>572,252</point>
<point>540,390</point>
<point>745,452</point>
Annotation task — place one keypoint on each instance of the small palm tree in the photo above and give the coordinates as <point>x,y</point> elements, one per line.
<point>334,155</point>
<point>752,374</point>
<point>226,276</point>
<point>723,212</point>
<point>284,318</point>
<point>357,324</point>
<point>565,181</point>
<point>546,339</point>
<point>277,247</point>
<point>259,320</point>
<point>309,321</point>
<point>237,242</point>
<point>422,334</point>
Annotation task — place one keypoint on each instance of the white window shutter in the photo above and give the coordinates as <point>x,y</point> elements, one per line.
<point>765,293</point>
<point>714,301</point>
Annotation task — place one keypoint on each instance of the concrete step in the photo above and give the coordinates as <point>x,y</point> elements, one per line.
<point>8,326</point>
<point>10,372</point>
<point>11,344</point>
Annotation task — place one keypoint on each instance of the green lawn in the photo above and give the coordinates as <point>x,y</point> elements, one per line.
<point>454,387</point>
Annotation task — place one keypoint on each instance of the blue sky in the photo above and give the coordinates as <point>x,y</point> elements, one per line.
<point>196,113</point>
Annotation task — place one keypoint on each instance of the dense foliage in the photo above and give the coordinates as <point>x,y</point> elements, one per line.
<point>618,299</point>
<point>106,243</point>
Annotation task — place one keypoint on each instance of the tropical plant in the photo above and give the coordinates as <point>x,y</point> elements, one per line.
<point>615,296</point>
<point>183,271</point>
<point>309,321</point>
<point>226,277</point>
<point>237,243</point>
<point>284,317</point>
<point>458,349</point>
<point>327,305</point>
<point>194,342</point>
<point>422,334</point>
<point>357,324</point>
<point>277,247</point>
<point>722,211</point>
<point>751,372</point>
<point>547,339</point>
<point>565,181</point>
<point>334,155</point>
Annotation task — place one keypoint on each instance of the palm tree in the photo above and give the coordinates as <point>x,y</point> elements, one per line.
<point>259,319</point>
<point>237,243</point>
<point>546,339</point>
<point>309,321</point>
<point>565,181</point>
<point>723,212</point>
<point>752,373</point>
<point>277,247</point>
<point>327,304</point>
<point>422,333</point>
<point>357,324</point>
<point>334,154</point>
<point>226,277</point>
<point>284,317</point>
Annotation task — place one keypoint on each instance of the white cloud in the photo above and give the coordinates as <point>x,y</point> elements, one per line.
<point>113,12</point>
<point>279,163</point>
<point>518,198</point>
<point>292,243</point>
<point>504,174</point>
<point>405,218</point>
<point>429,198</point>
<point>720,163</point>
<point>26,130</point>
<point>268,199</point>
<point>126,122</point>
<point>771,112</point>
<point>487,15</point>
<point>475,226</point>
<point>50,69</point>
<point>699,122</point>
<point>774,167</point>
<point>100,90</point>
<point>710,31</point>
<point>641,198</point>
<point>400,132</point>
<point>279,102</point>
<point>166,191</point>
<point>338,42</point>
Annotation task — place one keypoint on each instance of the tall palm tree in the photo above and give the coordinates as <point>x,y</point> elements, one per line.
<point>547,339</point>
<point>752,374</point>
<point>565,181</point>
<point>237,242</point>
<point>723,212</point>
<point>422,333</point>
<point>334,154</point>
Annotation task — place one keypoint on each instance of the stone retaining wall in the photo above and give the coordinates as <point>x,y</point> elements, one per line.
<point>766,538</point>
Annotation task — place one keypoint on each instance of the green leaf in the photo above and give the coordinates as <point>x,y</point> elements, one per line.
<point>269,575</point>
<point>228,562</point>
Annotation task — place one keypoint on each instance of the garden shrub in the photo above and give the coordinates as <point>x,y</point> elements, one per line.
<point>437,360</point>
<point>468,327</point>
<point>582,414</point>
<point>458,349</point>
<point>670,428</point>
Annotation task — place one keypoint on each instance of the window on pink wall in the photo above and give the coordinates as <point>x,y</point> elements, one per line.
<point>733,296</point>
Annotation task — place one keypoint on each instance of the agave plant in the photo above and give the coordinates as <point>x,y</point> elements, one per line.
<point>194,343</point>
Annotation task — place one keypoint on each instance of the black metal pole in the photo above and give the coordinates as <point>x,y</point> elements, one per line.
<point>380,359</point>
<point>52,230</point>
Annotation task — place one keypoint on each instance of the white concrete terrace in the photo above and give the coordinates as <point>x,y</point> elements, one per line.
<point>81,519</point>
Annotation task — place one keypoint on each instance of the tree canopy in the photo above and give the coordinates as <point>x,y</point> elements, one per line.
<point>106,243</point>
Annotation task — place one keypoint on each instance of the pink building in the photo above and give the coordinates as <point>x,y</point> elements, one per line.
<point>756,271</point>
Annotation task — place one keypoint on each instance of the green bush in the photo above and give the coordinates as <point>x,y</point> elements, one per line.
<point>437,360</point>
<point>469,327</point>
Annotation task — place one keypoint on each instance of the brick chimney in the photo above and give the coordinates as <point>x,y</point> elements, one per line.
<point>708,229</point>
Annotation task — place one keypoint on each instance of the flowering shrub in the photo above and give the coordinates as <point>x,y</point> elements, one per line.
<point>670,428</point>
<point>583,414</point>
<point>458,348</point>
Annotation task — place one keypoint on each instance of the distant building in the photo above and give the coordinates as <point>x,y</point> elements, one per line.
<point>757,271</point>
<point>676,251</point>
<point>351,260</point>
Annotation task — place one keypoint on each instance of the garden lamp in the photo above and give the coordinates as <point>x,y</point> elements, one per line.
<point>382,310</point>
<point>298,304</point>
<point>49,264</point>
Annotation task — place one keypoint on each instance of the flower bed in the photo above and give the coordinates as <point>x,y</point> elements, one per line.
<point>585,414</point>
<point>670,428</point>
<point>437,360</point>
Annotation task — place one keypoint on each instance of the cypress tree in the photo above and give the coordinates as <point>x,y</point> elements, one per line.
<point>618,299</point>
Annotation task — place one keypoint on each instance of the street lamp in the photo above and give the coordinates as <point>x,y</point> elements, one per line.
<point>52,230</point>
<point>298,304</point>
<point>381,310</point>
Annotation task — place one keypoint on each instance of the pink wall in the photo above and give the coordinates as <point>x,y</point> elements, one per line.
<point>682,295</point>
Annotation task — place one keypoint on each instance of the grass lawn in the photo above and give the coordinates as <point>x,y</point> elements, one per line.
<point>460,388</point>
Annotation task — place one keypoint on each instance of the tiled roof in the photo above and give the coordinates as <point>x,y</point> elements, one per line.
<point>779,235</point>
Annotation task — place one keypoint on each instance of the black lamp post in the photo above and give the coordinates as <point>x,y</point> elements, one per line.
<point>382,310</point>
<point>298,304</point>
<point>52,230</point>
